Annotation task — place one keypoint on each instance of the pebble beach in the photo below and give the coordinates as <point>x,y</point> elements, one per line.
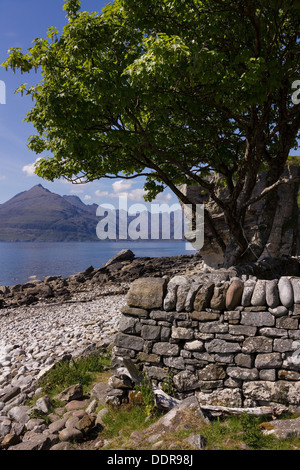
<point>36,336</point>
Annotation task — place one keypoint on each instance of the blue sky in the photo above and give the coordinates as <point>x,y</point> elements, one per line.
<point>22,21</point>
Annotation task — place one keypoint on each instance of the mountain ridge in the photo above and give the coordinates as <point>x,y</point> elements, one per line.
<point>39,215</point>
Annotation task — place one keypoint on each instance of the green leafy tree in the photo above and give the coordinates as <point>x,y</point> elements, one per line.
<point>178,91</point>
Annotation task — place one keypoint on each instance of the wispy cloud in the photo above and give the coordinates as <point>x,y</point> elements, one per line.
<point>123,188</point>
<point>29,169</point>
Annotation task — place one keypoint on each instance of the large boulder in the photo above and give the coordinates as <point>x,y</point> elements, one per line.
<point>147,293</point>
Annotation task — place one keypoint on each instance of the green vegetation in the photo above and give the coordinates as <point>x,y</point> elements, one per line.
<point>127,426</point>
<point>82,370</point>
<point>121,422</point>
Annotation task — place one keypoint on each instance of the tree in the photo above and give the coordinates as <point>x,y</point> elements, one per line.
<point>178,91</point>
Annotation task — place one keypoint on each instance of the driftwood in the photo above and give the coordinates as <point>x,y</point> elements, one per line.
<point>163,400</point>
<point>216,411</point>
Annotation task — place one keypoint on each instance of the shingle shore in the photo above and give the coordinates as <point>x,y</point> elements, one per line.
<point>34,337</point>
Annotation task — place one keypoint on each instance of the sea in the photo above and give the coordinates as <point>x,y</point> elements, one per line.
<point>22,262</point>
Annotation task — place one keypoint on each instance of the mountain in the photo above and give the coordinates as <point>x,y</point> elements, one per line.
<point>40,215</point>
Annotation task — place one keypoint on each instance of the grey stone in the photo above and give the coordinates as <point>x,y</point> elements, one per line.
<point>283,429</point>
<point>279,311</point>
<point>189,303</point>
<point>161,315</point>
<point>257,319</point>
<point>295,281</point>
<point>286,293</point>
<point>129,341</point>
<point>170,299</point>
<point>242,330</point>
<point>247,292</point>
<point>129,369</point>
<point>57,425</point>
<point>234,294</point>
<point>144,357</point>
<point>257,344</point>
<point>224,358</point>
<point>203,297</point>
<point>273,332</point>
<point>182,292</point>
<point>218,300</point>
<point>212,372</point>
<point>134,311</point>
<point>243,360</point>
<point>20,414</point>
<point>226,397</point>
<point>232,317</point>
<point>182,333</point>
<point>267,374</point>
<point>165,349</point>
<point>157,373</point>
<point>175,362</point>
<point>197,441</point>
<point>74,392</point>
<point>259,293</point>
<point>150,332</point>
<point>43,404</point>
<point>10,394</point>
<point>196,345</point>
<point>221,346</point>
<point>268,391</point>
<point>123,255</point>
<point>272,294</point>
<point>186,381</point>
<point>127,325</point>
<point>40,442</point>
<point>5,426</point>
<point>283,345</point>
<point>70,434</point>
<point>213,327</point>
<point>147,293</point>
<point>241,373</point>
<point>268,361</point>
<point>165,333</point>
<point>287,322</point>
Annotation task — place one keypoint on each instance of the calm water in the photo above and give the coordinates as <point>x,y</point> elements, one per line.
<point>20,261</point>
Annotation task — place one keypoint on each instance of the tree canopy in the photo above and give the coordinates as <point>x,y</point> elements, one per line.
<point>174,90</point>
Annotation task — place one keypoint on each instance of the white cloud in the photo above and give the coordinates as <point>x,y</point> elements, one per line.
<point>162,198</point>
<point>29,169</point>
<point>121,186</point>
<point>87,197</point>
<point>99,193</point>
<point>76,191</point>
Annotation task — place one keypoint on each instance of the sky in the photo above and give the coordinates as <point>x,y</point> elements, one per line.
<point>21,21</point>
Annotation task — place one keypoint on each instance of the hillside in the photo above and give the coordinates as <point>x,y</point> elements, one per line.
<point>40,215</point>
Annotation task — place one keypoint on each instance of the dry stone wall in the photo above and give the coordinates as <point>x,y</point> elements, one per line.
<point>230,340</point>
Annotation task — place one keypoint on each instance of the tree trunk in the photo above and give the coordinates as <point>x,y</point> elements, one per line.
<point>269,228</point>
